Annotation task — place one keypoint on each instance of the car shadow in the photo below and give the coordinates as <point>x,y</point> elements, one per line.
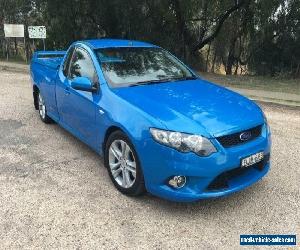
<point>228,204</point>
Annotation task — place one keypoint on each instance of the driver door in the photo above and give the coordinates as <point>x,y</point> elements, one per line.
<point>79,107</point>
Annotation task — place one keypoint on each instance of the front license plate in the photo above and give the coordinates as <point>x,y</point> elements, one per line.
<point>252,159</point>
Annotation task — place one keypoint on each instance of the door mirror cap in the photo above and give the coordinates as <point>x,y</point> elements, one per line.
<point>83,83</point>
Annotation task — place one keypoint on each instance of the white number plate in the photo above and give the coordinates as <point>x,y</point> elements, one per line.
<point>252,159</point>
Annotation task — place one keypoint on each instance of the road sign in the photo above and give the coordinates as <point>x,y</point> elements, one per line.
<point>37,32</point>
<point>14,30</point>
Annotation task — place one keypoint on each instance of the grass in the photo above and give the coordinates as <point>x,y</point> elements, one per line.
<point>255,82</point>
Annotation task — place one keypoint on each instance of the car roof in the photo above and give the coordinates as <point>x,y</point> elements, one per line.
<point>110,43</point>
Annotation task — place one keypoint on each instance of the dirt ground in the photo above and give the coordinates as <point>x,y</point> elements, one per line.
<point>55,192</point>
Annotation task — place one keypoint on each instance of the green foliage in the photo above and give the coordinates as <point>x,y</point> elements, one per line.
<point>275,44</point>
<point>240,36</point>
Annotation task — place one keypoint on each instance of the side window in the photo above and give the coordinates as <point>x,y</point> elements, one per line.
<point>82,65</point>
<point>67,62</point>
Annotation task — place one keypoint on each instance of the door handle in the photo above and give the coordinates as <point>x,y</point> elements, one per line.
<point>67,91</point>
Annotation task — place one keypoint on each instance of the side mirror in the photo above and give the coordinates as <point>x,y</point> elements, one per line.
<point>82,83</point>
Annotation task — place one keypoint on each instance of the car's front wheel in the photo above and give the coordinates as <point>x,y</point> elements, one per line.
<point>123,165</point>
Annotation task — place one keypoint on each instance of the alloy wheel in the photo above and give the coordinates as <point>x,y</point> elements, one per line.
<point>122,163</point>
<point>42,107</point>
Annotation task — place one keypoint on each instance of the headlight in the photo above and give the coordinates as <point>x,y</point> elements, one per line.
<point>184,142</point>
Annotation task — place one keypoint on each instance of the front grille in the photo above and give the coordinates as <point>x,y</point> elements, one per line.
<point>221,181</point>
<point>235,139</point>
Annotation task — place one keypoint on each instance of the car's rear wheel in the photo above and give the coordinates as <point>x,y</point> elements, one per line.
<point>123,165</point>
<point>43,110</point>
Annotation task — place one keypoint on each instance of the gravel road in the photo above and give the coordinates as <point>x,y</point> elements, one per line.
<point>55,192</point>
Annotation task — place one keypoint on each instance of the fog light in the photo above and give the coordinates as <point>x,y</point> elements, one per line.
<point>177,181</point>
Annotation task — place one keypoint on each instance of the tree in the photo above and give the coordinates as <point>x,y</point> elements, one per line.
<point>258,37</point>
<point>206,20</point>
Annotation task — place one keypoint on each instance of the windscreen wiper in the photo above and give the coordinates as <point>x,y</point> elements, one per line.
<point>149,82</point>
<point>188,78</point>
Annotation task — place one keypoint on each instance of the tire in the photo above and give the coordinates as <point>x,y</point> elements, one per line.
<point>42,109</point>
<point>123,165</point>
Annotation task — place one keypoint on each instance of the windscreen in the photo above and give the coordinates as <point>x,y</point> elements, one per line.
<point>130,66</point>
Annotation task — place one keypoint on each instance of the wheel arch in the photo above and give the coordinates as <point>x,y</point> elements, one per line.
<point>35,96</point>
<point>108,132</point>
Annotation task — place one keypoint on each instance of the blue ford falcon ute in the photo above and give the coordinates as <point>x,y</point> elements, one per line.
<point>159,127</point>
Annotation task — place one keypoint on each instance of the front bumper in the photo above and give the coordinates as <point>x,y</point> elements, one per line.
<point>159,163</point>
